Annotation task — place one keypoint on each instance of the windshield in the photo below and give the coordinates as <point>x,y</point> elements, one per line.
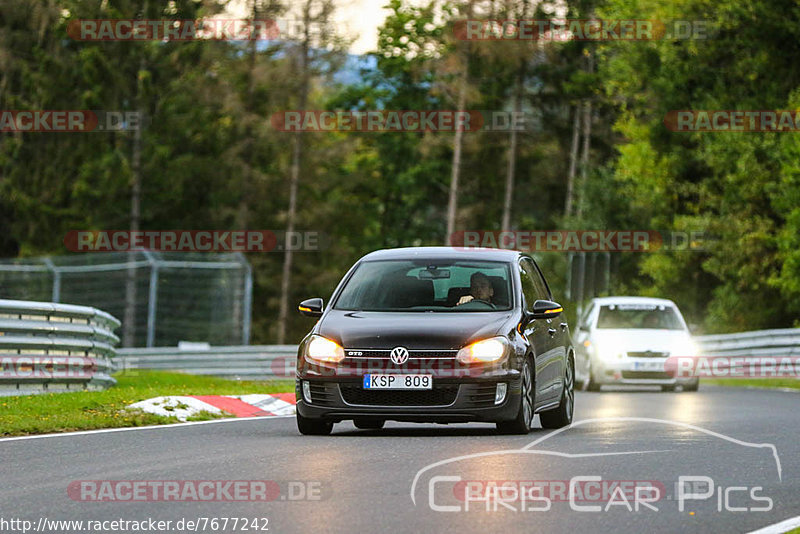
<point>639,316</point>
<point>428,285</point>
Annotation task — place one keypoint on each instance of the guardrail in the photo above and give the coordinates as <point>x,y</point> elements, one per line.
<point>253,362</point>
<point>260,362</point>
<point>47,347</point>
<point>780,342</point>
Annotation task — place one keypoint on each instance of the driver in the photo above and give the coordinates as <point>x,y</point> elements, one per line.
<point>651,320</point>
<point>480,289</point>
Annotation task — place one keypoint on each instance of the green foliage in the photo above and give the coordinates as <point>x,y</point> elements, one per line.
<point>89,410</point>
<point>210,158</point>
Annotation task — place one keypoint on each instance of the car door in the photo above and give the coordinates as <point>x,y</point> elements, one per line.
<point>556,329</point>
<point>538,335</point>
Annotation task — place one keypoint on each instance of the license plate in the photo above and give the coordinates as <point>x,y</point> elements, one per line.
<point>648,366</point>
<point>398,381</point>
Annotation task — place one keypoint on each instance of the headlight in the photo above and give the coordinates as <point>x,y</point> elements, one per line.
<point>485,351</point>
<point>685,348</point>
<point>605,352</point>
<point>324,350</point>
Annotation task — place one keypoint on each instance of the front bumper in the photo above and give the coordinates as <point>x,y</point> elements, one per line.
<point>635,372</point>
<point>450,400</point>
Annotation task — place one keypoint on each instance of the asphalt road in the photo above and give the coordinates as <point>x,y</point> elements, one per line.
<point>361,481</point>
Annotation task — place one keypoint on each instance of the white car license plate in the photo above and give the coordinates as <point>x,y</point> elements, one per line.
<point>372,381</point>
<point>649,366</point>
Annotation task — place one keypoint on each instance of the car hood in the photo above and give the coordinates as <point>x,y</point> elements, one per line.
<point>433,330</point>
<point>643,339</point>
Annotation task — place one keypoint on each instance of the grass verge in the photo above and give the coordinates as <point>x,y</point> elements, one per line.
<point>791,383</point>
<point>88,410</point>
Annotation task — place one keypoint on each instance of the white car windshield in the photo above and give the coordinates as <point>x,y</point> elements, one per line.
<point>653,316</point>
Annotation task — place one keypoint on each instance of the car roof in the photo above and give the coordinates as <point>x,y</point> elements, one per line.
<point>602,301</point>
<point>410,253</point>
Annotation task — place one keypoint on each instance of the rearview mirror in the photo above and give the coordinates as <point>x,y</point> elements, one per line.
<point>432,273</point>
<point>546,309</point>
<point>311,307</point>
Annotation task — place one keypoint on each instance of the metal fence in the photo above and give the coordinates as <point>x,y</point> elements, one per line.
<point>162,298</point>
<point>47,347</point>
<point>252,362</point>
<point>278,361</point>
<point>782,342</point>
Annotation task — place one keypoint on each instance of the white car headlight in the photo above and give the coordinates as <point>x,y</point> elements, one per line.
<point>484,351</point>
<point>608,352</point>
<point>685,348</point>
<point>612,354</point>
<point>323,349</point>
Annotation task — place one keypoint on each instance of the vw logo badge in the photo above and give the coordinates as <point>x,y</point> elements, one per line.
<point>399,355</point>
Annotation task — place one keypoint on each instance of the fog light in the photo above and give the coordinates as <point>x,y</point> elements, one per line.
<point>500,394</point>
<point>307,391</point>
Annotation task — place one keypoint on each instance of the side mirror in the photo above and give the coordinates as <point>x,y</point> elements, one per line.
<point>546,309</point>
<point>311,307</point>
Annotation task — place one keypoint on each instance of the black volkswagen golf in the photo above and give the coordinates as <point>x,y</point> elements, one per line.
<point>437,334</point>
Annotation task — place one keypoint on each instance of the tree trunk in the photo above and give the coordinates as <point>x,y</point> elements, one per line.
<point>511,168</point>
<point>455,173</point>
<point>458,142</point>
<point>587,134</point>
<point>243,214</point>
<point>512,159</point>
<point>573,160</point>
<point>297,155</point>
<point>129,318</point>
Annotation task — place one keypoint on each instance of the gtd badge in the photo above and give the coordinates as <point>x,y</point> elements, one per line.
<point>399,355</point>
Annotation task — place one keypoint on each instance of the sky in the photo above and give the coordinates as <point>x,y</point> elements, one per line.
<point>360,19</point>
<point>355,19</point>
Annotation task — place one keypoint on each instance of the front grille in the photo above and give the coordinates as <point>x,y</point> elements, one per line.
<point>648,354</point>
<point>438,396</point>
<point>383,354</point>
<point>322,394</point>
<point>653,375</point>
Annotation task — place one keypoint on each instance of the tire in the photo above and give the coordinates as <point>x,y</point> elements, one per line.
<point>667,388</point>
<point>313,427</point>
<point>367,424</point>
<point>694,385</point>
<point>521,424</point>
<point>591,383</point>
<point>562,416</point>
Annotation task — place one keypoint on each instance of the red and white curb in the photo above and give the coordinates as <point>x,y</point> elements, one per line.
<point>254,405</point>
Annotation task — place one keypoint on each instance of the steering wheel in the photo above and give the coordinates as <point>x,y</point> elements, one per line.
<point>479,301</point>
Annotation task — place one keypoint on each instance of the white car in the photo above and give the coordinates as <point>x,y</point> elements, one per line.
<point>627,340</point>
